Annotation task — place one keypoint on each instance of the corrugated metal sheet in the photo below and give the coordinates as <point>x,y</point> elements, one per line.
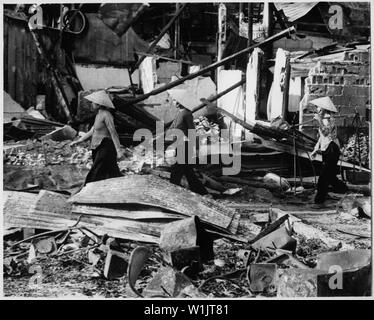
<point>295,10</point>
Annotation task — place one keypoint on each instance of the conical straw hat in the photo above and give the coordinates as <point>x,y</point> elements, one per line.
<point>101,98</point>
<point>324,103</point>
<point>182,96</point>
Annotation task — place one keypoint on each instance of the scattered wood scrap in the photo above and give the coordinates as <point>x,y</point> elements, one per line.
<point>116,207</point>
<point>152,191</point>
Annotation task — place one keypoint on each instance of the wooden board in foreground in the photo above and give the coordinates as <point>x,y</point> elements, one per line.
<point>153,191</point>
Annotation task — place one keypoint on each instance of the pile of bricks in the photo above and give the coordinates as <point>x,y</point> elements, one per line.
<point>346,82</point>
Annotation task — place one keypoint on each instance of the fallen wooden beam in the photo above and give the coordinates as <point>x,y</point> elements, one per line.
<point>60,93</point>
<point>149,190</point>
<point>16,202</point>
<point>142,214</point>
<point>213,66</point>
<point>52,211</point>
<point>259,129</point>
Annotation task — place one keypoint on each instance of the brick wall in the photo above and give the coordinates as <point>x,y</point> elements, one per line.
<point>346,82</point>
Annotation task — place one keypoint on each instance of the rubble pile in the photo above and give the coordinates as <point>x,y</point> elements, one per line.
<point>48,152</point>
<point>135,161</point>
<point>123,249</point>
<point>209,132</point>
<point>357,149</point>
<point>252,231</point>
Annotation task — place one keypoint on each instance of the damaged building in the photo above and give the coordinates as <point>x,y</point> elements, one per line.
<point>254,84</point>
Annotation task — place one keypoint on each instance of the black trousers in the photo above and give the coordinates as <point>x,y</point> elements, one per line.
<point>330,158</point>
<point>104,162</point>
<point>178,170</point>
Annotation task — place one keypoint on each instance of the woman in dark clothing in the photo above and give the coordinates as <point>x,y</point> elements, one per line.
<point>328,144</point>
<point>105,145</point>
<point>184,122</point>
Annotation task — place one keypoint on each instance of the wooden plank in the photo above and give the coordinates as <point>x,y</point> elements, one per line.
<point>277,92</point>
<point>253,92</point>
<point>257,207</point>
<point>289,149</point>
<point>19,53</point>
<point>52,203</point>
<point>153,191</point>
<point>102,211</point>
<point>50,210</point>
<point>11,61</point>
<point>111,230</point>
<point>222,25</point>
<point>18,202</point>
<point>233,227</point>
<point>5,52</point>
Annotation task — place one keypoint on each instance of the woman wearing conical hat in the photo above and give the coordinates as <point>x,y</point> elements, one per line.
<point>184,121</point>
<point>328,144</point>
<point>105,145</point>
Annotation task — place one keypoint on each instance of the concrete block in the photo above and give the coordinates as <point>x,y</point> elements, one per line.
<point>358,91</point>
<point>364,70</point>
<point>343,100</point>
<point>329,79</point>
<point>349,91</point>
<point>338,80</point>
<point>334,69</point>
<point>353,69</point>
<point>363,91</point>
<point>351,80</point>
<point>317,79</point>
<point>334,90</point>
<point>357,56</point>
<point>351,110</point>
<point>339,100</point>
<point>356,101</point>
<point>318,89</point>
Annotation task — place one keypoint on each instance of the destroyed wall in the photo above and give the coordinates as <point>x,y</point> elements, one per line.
<point>101,45</point>
<point>347,83</point>
<point>23,71</point>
